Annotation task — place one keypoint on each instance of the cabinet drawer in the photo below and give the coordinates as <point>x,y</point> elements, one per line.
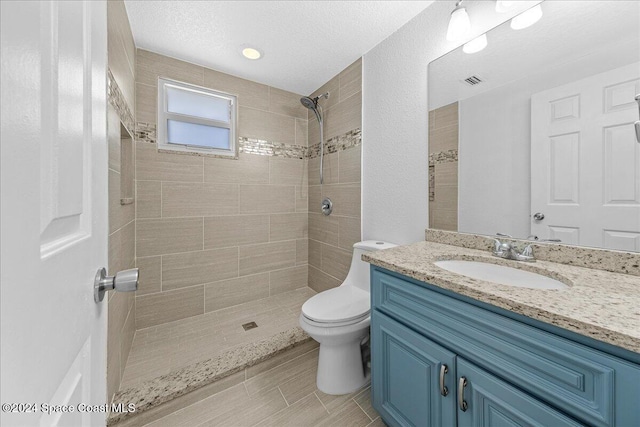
<point>591,385</point>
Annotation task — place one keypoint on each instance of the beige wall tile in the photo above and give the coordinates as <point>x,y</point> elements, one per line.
<point>248,169</point>
<point>345,198</point>
<point>117,314</point>
<point>287,279</point>
<point>123,72</point>
<point>348,232</point>
<point>166,307</point>
<point>115,255</point>
<point>302,251</point>
<point>315,198</point>
<point>315,253</point>
<point>446,197</point>
<point>331,169</point>
<point>335,261</point>
<point>119,215</point>
<point>198,199</point>
<point>287,103</point>
<point>260,124</point>
<point>432,120</point>
<point>284,171</point>
<point>446,174</point>
<point>148,195</point>
<point>167,236</point>
<point>194,268</point>
<point>227,293</point>
<point>302,130</point>
<point>267,256</point>
<point>349,164</point>
<point>154,166</point>
<point>150,66</point>
<point>250,94</point>
<point>146,103</point>
<point>127,334</point>
<point>128,245</point>
<point>113,130</point>
<point>267,199</point>
<point>319,281</point>
<point>313,134</point>
<point>446,116</point>
<point>351,80</point>
<point>302,198</point>
<point>443,139</point>
<point>150,275</point>
<point>323,228</point>
<point>225,231</point>
<point>288,226</point>
<point>444,219</point>
<point>343,117</point>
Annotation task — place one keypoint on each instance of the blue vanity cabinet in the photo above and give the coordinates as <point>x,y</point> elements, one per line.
<point>406,376</point>
<point>518,371</point>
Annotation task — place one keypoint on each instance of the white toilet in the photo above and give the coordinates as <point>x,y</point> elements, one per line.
<point>339,320</point>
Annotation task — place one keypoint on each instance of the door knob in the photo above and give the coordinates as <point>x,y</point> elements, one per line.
<point>538,216</point>
<point>123,281</point>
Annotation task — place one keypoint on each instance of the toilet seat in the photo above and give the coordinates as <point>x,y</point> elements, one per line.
<point>341,306</point>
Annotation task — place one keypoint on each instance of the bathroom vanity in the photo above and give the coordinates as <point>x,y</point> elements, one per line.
<point>449,350</point>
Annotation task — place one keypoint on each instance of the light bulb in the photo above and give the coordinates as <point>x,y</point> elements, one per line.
<point>459,24</point>
<point>475,45</point>
<point>251,53</point>
<point>527,18</point>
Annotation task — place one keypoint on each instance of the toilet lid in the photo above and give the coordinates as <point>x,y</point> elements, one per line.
<point>340,304</point>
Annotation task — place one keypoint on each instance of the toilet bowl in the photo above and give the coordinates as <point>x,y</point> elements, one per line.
<point>339,320</point>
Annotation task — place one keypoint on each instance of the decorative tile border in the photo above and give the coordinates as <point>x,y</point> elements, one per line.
<point>443,157</point>
<point>116,99</point>
<point>432,183</point>
<point>351,139</point>
<point>146,132</point>
<point>269,148</point>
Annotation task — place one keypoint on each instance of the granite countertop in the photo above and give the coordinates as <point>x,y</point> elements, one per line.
<point>598,304</point>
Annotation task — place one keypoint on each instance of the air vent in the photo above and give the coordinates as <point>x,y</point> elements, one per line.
<point>473,80</point>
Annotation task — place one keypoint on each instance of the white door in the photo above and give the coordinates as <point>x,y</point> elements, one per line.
<point>585,161</point>
<point>54,209</point>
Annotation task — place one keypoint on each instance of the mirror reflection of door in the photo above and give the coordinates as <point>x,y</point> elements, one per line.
<point>585,161</point>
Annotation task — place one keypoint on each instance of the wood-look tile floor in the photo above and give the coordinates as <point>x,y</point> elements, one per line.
<point>164,348</point>
<point>285,395</point>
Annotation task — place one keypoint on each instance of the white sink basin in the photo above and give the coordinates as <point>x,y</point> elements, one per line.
<point>501,275</point>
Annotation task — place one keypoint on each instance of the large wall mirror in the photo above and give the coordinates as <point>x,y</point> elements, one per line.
<point>533,136</point>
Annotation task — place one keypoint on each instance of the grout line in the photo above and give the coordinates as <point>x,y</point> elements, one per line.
<point>282,394</point>
<point>357,404</point>
<point>325,408</point>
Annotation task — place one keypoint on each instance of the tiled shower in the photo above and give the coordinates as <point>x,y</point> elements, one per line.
<point>210,234</point>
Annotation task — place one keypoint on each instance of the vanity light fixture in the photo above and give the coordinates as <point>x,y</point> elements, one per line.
<point>475,45</point>
<point>251,53</point>
<point>459,23</point>
<point>504,5</point>
<point>527,18</point>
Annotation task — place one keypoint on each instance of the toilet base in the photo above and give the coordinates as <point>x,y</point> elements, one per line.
<point>340,369</point>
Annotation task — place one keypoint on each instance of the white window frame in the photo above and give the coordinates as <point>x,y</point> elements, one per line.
<point>164,115</point>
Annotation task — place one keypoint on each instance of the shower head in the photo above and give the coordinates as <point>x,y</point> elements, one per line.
<point>312,103</point>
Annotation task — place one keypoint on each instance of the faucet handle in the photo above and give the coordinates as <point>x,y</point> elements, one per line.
<point>527,251</point>
<point>497,244</point>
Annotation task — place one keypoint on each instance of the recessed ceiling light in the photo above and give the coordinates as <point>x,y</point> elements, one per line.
<point>527,18</point>
<point>475,45</point>
<point>251,53</point>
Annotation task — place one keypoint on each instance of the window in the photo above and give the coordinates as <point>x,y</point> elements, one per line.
<point>196,119</point>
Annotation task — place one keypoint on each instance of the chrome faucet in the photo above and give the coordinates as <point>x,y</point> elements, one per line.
<point>508,250</point>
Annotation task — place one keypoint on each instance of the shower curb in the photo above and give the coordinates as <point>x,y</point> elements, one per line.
<point>154,393</point>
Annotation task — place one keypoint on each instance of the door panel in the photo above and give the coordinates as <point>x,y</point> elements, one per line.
<point>493,402</point>
<point>54,207</point>
<point>585,161</point>
<point>405,376</point>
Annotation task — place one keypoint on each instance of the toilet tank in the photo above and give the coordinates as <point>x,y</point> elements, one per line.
<point>359,270</point>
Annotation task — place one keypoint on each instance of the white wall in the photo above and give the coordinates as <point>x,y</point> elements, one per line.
<point>394,116</point>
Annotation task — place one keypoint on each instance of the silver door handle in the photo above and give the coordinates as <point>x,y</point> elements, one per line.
<point>123,281</point>
<point>538,216</point>
<point>443,388</point>
<point>462,383</point>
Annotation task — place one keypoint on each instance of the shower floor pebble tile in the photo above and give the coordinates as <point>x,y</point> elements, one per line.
<point>161,349</point>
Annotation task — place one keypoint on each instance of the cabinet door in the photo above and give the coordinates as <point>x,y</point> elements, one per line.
<point>493,402</point>
<point>406,376</point>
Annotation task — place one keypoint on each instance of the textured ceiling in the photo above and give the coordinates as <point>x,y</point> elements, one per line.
<point>305,43</point>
